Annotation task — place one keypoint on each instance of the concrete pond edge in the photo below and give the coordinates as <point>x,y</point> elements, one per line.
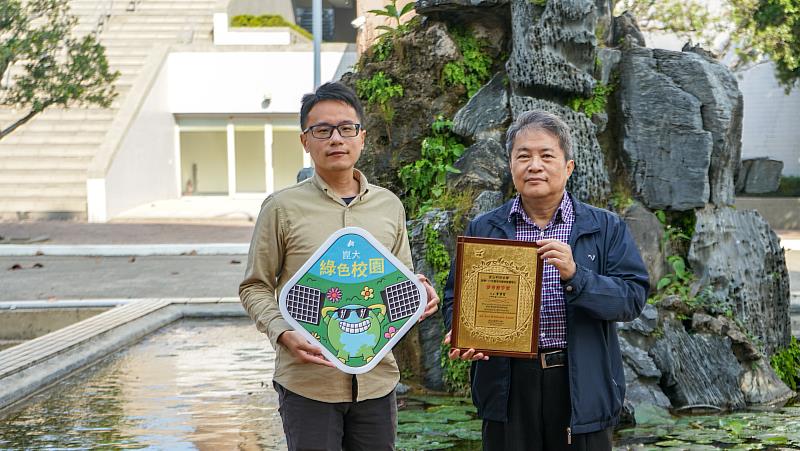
<point>34,366</point>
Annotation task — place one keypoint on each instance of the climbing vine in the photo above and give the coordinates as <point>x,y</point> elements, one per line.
<point>681,281</point>
<point>786,364</point>
<point>424,180</point>
<point>436,255</point>
<point>474,69</point>
<point>456,372</point>
<point>383,48</point>
<point>596,103</point>
<point>380,89</point>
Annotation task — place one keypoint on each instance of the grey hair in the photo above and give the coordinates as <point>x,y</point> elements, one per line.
<point>541,120</point>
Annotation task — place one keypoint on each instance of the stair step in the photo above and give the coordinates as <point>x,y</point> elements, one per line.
<point>144,35</point>
<point>43,189</point>
<point>124,59</point>
<point>58,113</point>
<point>168,19</point>
<point>32,162</point>
<point>48,137</point>
<point>154,27</point>
<point>74,120</point>
<point>37,177</point>
<point>64,126</point>
<point>47,151</point>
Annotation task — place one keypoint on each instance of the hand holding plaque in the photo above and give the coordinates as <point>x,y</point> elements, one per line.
<point>498,285</point>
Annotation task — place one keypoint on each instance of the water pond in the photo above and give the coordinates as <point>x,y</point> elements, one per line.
<point>206,384</point>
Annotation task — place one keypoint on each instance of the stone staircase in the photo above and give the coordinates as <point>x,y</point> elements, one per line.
<point>43,164</point>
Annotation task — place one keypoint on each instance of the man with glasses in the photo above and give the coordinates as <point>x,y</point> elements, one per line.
<point>570,397</point>
<point>321,407</point>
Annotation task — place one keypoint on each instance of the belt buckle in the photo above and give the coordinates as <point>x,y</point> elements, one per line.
<point>543,359</point>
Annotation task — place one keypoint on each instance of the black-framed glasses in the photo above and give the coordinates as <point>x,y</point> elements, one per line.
<point>325,131</point>
<point>343,313</point>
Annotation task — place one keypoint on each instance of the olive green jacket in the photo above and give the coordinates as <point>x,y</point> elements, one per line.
<point>292,224</point>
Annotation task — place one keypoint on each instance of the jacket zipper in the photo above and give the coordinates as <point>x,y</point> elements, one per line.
<point>569,436</point>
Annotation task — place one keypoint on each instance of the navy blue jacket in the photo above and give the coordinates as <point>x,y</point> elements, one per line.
<point>610,285</point>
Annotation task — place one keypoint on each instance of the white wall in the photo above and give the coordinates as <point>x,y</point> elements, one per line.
<point>144,167</point>
<point>771,125</point>
<point>771,120</point>
<point>217,85</point>
<point>287,157</point>
<point>236,82</point>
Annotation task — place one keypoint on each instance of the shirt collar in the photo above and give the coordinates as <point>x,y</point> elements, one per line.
<point>363,184</point>
<point>564,213</point>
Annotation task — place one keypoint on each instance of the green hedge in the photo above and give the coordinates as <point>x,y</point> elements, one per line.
<point>267,20</point>
<point>789,187</point>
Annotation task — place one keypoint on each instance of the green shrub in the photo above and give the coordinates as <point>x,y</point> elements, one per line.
<point>789,187</point>
<point>474,70</point>
<point>456,373</point>
<point>620,201</point>
<point>266,21</point>
<point>424,180</point>
<point>383,48</point>
<point>786,364</point>
<point>436,255</point>
<point>380,89</point>
<point>594,104</point>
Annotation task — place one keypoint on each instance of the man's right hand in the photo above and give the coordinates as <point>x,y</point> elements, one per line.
<point>468,354</point>
<point>301,349</point>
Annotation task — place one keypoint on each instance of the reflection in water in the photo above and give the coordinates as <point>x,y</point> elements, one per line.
<point>196,384</point>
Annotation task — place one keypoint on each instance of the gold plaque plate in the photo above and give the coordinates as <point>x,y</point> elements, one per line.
<point>498,286</point>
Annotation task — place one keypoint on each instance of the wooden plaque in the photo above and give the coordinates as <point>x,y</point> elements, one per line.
<point>498,289</point>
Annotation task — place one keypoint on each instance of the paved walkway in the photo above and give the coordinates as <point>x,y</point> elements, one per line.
<point>174,259</point>
<point>79,233</point>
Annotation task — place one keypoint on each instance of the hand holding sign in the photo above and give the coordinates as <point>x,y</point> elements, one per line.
<point>353,301</point>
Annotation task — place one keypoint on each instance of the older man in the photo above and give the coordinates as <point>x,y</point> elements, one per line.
<point>571,396</point>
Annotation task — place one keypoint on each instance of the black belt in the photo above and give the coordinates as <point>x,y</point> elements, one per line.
<point>553,359</point>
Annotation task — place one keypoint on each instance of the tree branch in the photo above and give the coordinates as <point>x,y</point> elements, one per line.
<point>18,124</point>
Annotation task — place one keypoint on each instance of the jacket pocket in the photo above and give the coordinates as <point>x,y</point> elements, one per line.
<point>616,406</point>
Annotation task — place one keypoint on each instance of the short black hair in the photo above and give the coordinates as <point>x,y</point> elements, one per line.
<point>333,90</point>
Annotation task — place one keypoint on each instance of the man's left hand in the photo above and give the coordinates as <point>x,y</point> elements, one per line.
<point>558,254</point>
<point>433,298</point>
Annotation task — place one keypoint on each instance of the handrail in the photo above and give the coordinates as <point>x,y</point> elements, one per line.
<point>105,8</point>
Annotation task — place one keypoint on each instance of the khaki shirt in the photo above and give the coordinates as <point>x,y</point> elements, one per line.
<point>293,223</point>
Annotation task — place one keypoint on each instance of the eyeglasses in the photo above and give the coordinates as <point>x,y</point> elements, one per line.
<point>345,312</point>
<point>324,131</point>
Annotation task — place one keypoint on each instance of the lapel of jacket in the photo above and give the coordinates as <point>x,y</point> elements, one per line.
<point>583,224</point>
<point>500,220</point>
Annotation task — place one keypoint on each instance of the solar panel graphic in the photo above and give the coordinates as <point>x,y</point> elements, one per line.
<point>353,299</point>
<point>401,299</point>
<point>304,304</point>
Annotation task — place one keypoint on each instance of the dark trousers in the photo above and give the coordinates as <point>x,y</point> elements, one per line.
<point>353,426</point>
<point>539,413</point>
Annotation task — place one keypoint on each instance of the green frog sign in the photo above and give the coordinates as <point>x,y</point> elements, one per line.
<point>353,298</point>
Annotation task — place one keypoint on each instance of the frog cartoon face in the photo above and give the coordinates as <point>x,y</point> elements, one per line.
<point>354,330</point>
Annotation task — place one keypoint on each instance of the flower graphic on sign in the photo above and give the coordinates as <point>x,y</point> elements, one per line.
<point>390,332</point>
<point>334,294</point>
<point>367,293</point>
